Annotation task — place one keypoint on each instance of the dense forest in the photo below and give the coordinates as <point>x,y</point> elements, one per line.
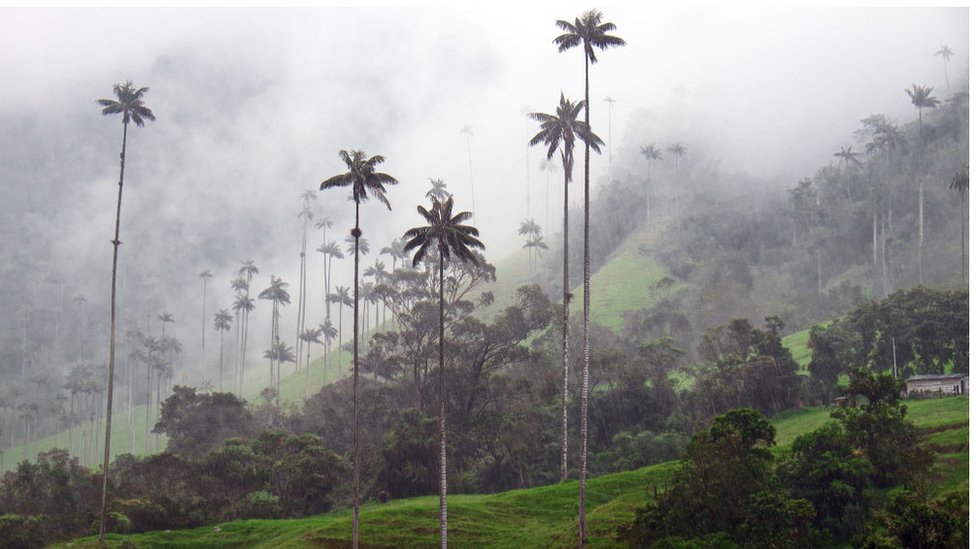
<point>436,370</point>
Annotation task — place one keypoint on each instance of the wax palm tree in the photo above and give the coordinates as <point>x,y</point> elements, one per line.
<point>247,270</point>
<point>351,245</point>
<point>310,336</point>
<point>205,276</point>
<point>445,233</point>
<point>649,152</point>
<point>305,215</point>
<point>468,132</point>
<point>922,99</point>
<point>164,319</point>
<point>329,251</point>
<point>530,229</point>
<point>129,103</point>
<point>278,294</point>
<point>365,181</point>
<point>341,297</point>
<point>535,242</point>
<point>328,335</point>
<point>438,189</point>
<point>679,151</point>
<point>960,184</point>
<point>243,305</point>
<point>591,32</point>
<point>395,251</point>
<point>222,320</point>
<point>946,53</point>
<point>847,154</point>
<point>324,223</point>
<point>560,131</point>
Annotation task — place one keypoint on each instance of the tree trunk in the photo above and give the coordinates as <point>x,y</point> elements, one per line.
<point>442,419</point>
<point>921,228</point>
<point>585,385</point>
<point>355,382</point>
<point>111,345</point>
<point>565,424</point>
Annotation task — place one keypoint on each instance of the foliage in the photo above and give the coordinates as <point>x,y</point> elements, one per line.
<point>198,423</point>
<point>725,486</point>
<point>878,428</point>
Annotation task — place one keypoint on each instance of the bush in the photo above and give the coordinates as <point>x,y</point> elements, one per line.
<point>22,532</point>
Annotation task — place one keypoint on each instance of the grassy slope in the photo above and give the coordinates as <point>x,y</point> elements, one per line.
<point>544,516</point>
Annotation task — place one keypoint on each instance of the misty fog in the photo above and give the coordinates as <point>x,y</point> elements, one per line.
<point>253,106</point>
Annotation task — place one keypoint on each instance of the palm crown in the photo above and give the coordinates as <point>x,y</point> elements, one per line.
<point>921,97</point>
<point>129,104</point>
<point>590,31</point>
<point>651,152</point>
<point>445,231</point>
<point>362,176</point>
<point>561,130</point>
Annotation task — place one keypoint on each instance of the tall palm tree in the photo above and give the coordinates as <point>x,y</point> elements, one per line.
<point>560,131</point>
<point>591,32</point>
<point>649,152</point>
<point>847,154</point>
<point>328,335</point>
<point>130,105</point>
<point>468,131</point>
<point>530,229</point>
<point>324,223</point>
<point>960,184</point>
<point>535,243</point>
<point>946,53</point>
<point>305,215</point>
<point>278,294</point>
<point>341,297</point>
<point>395,251</point>
<point>222,320</point>
<point>329,252</point>
<point>444,231</point>
<point>922,99</point>
<point>310,336</point>
<point>679,151</point>
<point>205,276</point>
<point>247,270</point>
<point>164,319</point>
<point>243,305</point>
<point>364,180</point>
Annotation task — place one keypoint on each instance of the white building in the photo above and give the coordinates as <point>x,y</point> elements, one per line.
<point>925,386</point>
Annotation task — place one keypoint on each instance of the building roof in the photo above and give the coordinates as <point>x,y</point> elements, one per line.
<point>933,377</point>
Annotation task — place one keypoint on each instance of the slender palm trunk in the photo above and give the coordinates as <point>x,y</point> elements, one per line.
<point>355,384</point>
<point>564,442</point>
<point>647,192</point>
<point>442,419</point>
<point>111,345</point>
<point>221,363</point>
<point>203,327</point>
<point>921,229</point>
<point>585,386</point>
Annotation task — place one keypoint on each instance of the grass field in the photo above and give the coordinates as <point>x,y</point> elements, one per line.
<point>544,516</point>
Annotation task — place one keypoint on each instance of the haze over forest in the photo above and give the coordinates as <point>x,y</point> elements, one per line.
<point>253,106</point>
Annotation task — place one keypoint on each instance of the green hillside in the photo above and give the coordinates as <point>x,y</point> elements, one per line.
<point>544,516</point>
